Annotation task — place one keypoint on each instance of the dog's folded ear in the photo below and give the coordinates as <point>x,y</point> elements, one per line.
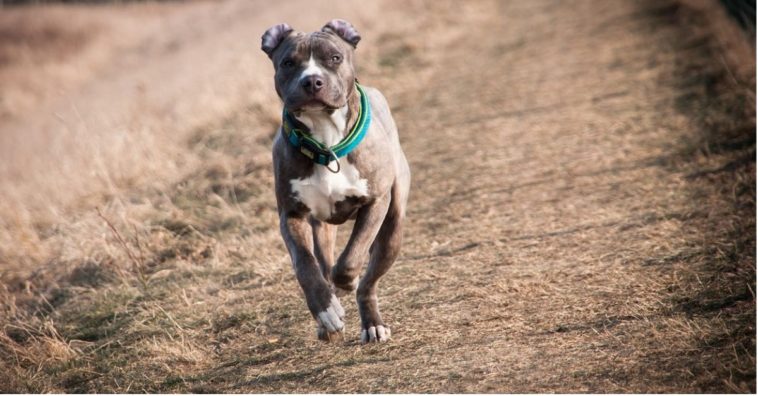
<point>273,37</point>
<point>344,29</point>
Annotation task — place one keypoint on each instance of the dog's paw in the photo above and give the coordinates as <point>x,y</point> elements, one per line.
<point>324,335</point>
<point>330,319</point>
<point>378,333</point>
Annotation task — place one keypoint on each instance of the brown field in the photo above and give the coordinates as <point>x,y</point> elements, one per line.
<point>582,216</point>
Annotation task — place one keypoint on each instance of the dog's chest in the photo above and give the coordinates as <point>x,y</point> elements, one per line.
<point>323,191</point>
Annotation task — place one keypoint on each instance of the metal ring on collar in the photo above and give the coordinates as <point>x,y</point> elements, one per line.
<point>337,160</point>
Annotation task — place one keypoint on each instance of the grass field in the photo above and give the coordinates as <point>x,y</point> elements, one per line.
<point>582,215</point>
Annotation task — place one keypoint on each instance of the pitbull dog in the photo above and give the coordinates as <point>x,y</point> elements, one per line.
<point>336,157</point>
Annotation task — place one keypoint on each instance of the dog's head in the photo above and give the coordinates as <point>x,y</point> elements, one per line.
<point>314,71</point>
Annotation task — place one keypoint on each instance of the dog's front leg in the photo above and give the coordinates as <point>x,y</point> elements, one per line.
<point>367,225</point>
<point>323,304</point>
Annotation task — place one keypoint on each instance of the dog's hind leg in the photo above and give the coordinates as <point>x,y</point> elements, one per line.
<point>384,251</point>
<point>324,238</point>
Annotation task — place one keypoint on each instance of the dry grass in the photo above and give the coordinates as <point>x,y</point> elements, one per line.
<point>582,216</point>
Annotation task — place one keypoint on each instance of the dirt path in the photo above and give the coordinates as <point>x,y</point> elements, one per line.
<point>581,220</point>
<point>552,225</point>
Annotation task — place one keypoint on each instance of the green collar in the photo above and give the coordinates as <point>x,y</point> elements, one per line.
<point>317,151</point>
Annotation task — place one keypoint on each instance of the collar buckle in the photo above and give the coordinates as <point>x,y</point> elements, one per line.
<point>316,153</point>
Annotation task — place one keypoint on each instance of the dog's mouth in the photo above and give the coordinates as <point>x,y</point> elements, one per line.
<point>311,105</point>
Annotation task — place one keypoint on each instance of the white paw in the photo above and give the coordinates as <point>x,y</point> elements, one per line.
<point>375,334</point>
<point>331,318</point>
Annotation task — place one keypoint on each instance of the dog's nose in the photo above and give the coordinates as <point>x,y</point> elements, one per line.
<point>312,84</point>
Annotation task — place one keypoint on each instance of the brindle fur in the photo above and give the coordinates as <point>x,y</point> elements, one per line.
<point>377,234</point>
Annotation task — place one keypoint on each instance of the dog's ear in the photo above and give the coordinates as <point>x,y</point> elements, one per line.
<point>344,29</point>
<point>273,37</point>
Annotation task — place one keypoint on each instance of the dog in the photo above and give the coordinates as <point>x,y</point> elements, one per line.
<point>336,157</point>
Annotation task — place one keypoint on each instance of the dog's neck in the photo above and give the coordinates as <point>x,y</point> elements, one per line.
<point>329,127</point>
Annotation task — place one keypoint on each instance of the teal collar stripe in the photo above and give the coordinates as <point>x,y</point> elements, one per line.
<point>318,152</point>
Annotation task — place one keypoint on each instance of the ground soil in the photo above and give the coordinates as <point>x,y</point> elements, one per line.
<point>582,214</point>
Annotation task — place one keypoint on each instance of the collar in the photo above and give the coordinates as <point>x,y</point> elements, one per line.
<point>318,152</point>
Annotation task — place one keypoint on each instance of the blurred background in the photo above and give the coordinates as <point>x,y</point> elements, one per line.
<point>582,217</point>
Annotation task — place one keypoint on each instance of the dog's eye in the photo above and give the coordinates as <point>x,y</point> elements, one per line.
<point>288,63</point>
<point>336,58</point>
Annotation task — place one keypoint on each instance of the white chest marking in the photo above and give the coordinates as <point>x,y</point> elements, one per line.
<point>323,189</point>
